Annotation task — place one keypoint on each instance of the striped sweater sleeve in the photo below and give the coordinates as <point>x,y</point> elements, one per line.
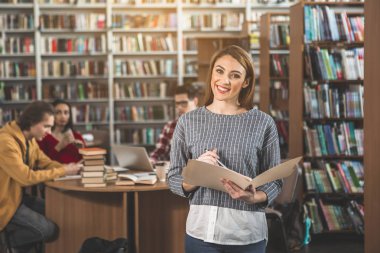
<point>270,157</point>
<point>178,159</point>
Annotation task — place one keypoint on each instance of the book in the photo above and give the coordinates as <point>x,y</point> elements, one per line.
<point>124,182</point>
<point>140,178</point>
<point>92,151</point>
<point>207,175</point>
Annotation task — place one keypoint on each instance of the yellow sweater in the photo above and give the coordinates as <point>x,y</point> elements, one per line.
<point>14,174</point>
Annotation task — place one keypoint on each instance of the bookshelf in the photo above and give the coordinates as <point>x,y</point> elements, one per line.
<point>110,58</point>
<point>371,121</point>
<point>274,74</point>
<point>326,112</point>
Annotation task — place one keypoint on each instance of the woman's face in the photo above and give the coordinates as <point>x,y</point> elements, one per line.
<point>227,80</point>
<point>62,115</point>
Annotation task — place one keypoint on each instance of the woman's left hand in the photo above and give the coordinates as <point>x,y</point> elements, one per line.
<point>250,196</point>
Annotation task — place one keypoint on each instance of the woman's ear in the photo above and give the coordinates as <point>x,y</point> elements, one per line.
<point>245,84</point>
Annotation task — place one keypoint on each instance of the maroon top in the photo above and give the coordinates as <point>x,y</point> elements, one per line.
<point>68,154</point>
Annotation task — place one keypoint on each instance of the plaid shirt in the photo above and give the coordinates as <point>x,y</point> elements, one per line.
<point>162,151</point>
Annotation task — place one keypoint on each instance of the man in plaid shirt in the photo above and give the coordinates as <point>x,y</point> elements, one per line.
<point>185,101</point>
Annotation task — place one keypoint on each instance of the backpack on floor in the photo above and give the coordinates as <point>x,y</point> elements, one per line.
<point>99,245</point>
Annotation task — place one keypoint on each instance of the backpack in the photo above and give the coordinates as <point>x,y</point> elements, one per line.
<point>99,245</point>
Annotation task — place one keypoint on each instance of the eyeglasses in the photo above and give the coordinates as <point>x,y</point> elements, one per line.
<point>183,103</point>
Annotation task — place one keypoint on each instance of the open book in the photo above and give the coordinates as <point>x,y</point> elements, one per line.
<point>139,178</point>
<point>207,175</point>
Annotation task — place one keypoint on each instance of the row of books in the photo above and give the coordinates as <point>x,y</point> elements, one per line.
<point>324,101</point>
<point>152,67</point>
<point>137,2</point>
<point>190,44</point>
<point>325,24</point>
<point>330,217</point>
<point>334,177</point>
<point>8,114</point>
<point>334,64</point>
<point>143,43</point>
<point>90,113</point>
<point>140,90</point>
<point>279,34</point>
<point>341,138</point>
<point>279,65</point>
<point>16,1</point>
<point>79,21</point>
<point>16,21</point>
<point>141,136</point>
<point>17,69</point>
<point>143,112</point>
<point>80,44</point>
<point>213,1</point>
<point>76,90</point>
<point>128,21</point>
<point>213,21</point>
<point>17,92</point>
<point>71,68</point>
<point>191,66</point>
<point>279,114</point>
<point>16,45</point>
<point>279,90</point>
<point>71,1</point>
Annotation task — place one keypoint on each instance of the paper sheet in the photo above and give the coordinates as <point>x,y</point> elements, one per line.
<point>204,174</point>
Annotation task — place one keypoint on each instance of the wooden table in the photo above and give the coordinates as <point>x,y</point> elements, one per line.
<point>150,216</point>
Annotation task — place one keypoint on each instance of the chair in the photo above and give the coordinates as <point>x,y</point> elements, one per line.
<point>5,245</point>
<point>286,197</point>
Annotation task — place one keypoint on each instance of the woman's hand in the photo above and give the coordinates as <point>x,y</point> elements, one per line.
<point>67,138</point>
<point>209,157</point>
<point>250,196</point>
<point>189,187</point>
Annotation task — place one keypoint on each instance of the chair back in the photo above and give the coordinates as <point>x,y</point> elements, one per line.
<point>289,186</point>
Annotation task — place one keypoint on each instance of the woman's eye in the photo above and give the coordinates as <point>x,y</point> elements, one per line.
<point>220,71</point>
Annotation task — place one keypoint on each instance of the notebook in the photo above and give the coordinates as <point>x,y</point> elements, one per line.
<point>134,158</point>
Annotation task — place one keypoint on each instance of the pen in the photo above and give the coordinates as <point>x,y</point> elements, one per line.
<point>220,163</point>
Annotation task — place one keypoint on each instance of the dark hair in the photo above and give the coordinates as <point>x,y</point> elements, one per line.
<point>33,114</point>
<point>186,89</point>
<point>69,124</point>
<point>246,94</point>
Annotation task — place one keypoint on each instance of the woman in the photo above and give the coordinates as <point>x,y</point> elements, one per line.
<point>242,138</point>
<point>63,142</point>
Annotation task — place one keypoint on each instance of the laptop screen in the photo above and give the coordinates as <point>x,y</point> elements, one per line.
<point>135,158</point>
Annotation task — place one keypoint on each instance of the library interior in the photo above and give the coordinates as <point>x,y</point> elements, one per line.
<point>112,89</point>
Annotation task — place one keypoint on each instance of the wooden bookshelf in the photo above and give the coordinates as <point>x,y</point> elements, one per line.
<point>371,123</point>
<point>299,119</point>
<point>269,101</point>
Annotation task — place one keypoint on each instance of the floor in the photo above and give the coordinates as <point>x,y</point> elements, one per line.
<point>326,244</point>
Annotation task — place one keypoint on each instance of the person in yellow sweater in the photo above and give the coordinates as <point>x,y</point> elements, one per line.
<point>22,215</point>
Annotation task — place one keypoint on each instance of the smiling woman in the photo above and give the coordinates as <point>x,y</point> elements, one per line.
<point>243,139</point>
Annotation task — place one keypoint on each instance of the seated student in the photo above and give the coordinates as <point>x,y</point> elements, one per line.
<point>185,101</point>
<point>63,142</point>
<point>22,215</point>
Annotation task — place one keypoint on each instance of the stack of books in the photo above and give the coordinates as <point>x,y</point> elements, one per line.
<point>93,172</point>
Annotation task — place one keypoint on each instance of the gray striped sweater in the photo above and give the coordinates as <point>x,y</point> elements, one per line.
<point>246,143</point>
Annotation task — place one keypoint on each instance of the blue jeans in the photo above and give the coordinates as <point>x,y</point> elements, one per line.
<point>29,226</point>
<point>193,245</point>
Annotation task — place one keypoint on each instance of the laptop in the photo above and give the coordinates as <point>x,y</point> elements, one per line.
<point>134,158</point>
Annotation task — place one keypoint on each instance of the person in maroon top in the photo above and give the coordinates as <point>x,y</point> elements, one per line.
<point>63,143</point>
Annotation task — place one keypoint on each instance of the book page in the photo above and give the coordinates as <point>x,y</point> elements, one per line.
<point>204,174</point>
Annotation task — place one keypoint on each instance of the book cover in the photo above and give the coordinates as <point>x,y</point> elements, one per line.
<point>140,178</point>
<point>207,175</point>
<point>92,151</point>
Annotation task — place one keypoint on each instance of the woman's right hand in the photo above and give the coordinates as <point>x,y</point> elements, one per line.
<point>68,138</point>
<point>209,157</point>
